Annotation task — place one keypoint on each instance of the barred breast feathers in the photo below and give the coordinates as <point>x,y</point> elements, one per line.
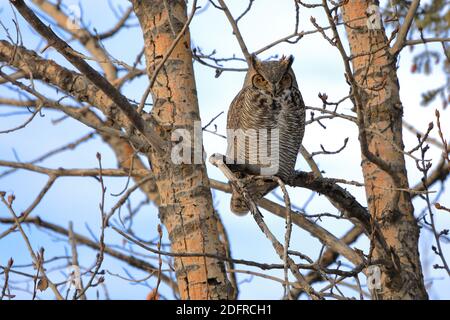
<point>252,109</point>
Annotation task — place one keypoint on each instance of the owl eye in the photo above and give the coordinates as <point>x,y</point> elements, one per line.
<point>259,81</point>
<point>286,81</point>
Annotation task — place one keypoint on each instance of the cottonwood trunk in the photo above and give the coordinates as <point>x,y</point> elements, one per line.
<point>185,205</point>
<point>374,70</point>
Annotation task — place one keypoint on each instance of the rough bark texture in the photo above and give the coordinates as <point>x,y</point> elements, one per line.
<point>185,198</point>
<point>374,70</point>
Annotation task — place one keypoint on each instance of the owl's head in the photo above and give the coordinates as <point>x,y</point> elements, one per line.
<point>273,77</point>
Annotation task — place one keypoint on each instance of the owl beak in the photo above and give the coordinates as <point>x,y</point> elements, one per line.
<point>274,88</point>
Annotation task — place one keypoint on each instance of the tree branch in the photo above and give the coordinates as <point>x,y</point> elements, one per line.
<point>236,32</point>
<point>403,32</point>
<point>99,81</point>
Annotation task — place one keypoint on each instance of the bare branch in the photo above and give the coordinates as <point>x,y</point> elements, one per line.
<point>64,49</point>
<point>403,32</point>
<point>236,32</point>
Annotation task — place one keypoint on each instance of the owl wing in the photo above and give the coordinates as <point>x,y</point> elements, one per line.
<point>234,121</point>
<point>235,110</point>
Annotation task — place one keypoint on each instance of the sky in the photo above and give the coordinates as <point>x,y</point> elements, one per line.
<point>318,69</point>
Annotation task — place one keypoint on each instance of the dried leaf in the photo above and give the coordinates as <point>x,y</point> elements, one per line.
<point>42,284</point>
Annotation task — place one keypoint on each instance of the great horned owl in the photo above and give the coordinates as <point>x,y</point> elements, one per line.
<point>267,117</point>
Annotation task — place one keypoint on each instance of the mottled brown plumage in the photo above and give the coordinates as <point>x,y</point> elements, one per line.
<point>269,101</point>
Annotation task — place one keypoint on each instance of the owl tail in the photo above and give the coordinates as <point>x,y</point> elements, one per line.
<point>257,190</point>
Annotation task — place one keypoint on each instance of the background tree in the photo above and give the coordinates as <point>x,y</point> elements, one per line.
<point>189,256</point>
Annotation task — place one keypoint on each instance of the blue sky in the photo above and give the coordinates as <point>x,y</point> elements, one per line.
<point>318,68</point>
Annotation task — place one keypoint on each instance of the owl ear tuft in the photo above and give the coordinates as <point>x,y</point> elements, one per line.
<point>254,61</point>
<point>289,60</point>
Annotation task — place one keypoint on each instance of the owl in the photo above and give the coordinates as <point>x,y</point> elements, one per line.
<point>265,128</point>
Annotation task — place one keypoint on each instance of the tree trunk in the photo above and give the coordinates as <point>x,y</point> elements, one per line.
<point>374,70</point>
<point>185,207</point>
